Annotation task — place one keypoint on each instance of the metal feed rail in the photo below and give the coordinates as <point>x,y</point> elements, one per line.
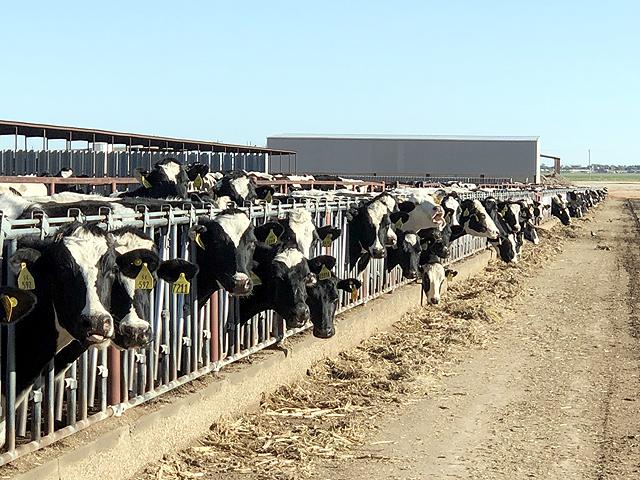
<point>189,340</point>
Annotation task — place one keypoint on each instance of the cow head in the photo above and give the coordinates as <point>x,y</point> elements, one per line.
<point>76,270</point>
<point>225,247</point>
<point>406,254</point>
<point>167,179</point>
<point>476,221</point>
<point>324,295</point>
<point>287,277</point>
<point>450,203</point>
<point>196,169</point>
<point>435,280</point>
<point>369,225</point>
<point>237,186</point>
<point>559,210</point>
<point>510,211</point>
<point>432,242</point>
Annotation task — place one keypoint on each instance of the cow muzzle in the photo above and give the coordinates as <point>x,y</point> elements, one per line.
<point>133,334</point>
<point>327,332</point>
<point>301,315</point>
<point>242,285</point>
<point>98,327</point>
<point>378,252</point>
<point>434,301</point>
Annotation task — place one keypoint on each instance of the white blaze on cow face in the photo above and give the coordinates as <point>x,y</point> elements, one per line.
<point>450,203</point>
<point>87,249</point>
<point>376,211</point>
<point>234,225</point>
<point>171,170</point>
<point>303,228</point>
<point>290,257</point>
<point>515,210</point>
<point>241,186</point>
<point>437,278</point>
<point>127,242</point>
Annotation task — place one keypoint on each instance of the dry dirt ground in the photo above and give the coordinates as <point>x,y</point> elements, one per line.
<point>525,372</point>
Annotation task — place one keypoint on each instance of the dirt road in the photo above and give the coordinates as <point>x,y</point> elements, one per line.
<point>557,392</point>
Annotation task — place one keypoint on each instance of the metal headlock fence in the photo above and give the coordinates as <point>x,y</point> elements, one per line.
<point>189,340</point>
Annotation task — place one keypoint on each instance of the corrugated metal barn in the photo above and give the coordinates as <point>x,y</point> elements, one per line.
<point>435,156</point>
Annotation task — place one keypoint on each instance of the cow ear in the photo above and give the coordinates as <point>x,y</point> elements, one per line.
<point>23,255</point>
<point>399,218</point>
<point>316,264</point>
<point>406,206</point>
<point>325,231</point>
<point>265,233</point>
<point>15,304</point>
<point>170,270</point>
<point>349,284</point>
<point>131,262</point>
<point>450,273</point>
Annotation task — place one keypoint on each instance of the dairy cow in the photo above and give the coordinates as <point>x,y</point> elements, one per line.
<point>559,209</point>
<point>167,179</point>
<point>323,296</point>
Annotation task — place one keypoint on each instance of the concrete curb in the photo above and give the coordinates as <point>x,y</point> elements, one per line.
<point>124,450</point>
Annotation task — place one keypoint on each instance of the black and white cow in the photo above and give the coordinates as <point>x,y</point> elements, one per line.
<point>224,253</point>
<point>73,275</point>
<point>559,209</point>
<point>167,179</point>
<point>369,230</point>
<point>323,296</point>
<point>435,279</point>
<point>423,209</point>
<point>506,243</point>
<point>283,278</point>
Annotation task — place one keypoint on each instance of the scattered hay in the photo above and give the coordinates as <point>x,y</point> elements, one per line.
<point>327,414</point>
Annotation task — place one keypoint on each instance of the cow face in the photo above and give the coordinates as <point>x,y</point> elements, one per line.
<point>406,254</point>
<point>559,210</point>
<point>324,295</point>
<point>451,206</point>
<point>433,243</point>
<point>435,280</point>
<point>225,247</point>
<point>78,270</point>
<point>510,211</point>
<point>301,231</point>
<point>289,277</point>
<point>238,187</point>
<point>130,306</point>
<point>476,221</point>
<point>197,169</point>
<point>369,226</point>
<point>424,212</point>
<point>168,179</point>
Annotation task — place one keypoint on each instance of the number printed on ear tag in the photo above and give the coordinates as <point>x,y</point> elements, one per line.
<point>181,286</point>
<point>271,239</point>
<point>144,280</point>
<point>325,273</point>
<point>25,279</point>
<point>326,241</point>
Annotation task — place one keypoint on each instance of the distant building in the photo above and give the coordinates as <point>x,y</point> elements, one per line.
<point>515,157</point>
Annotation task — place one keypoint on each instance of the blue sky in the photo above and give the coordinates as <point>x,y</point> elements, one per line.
<point>568,71</point>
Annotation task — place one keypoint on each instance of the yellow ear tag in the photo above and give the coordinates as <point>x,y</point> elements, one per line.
<point>354,294</point>
<point>268,198</point>
<point>326,241</point>
<point>399,223</point>
<point>145,183</point>
<point>272,238</point>
<point>197,183</point>
<point>325,273</point>
<point>449,276</point>
<point>255,279</point>
<point>199,242</point>
<point>25,279</point>
<point>181,286</point>
<point>8,303</point>
<point>144,280</point>
<point>465,213</point>
<point>438,200</point>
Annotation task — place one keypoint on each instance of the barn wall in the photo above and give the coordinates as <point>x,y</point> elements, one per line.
<point>388,156</point>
